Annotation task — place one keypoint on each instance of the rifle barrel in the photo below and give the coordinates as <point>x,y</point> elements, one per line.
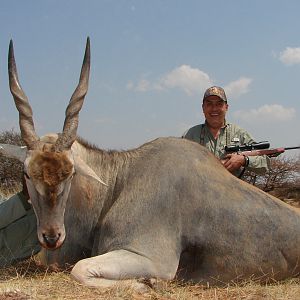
<point>292,148</point>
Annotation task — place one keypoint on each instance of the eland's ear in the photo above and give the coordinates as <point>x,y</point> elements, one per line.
<point>83,169</point>
<point>13,151</point>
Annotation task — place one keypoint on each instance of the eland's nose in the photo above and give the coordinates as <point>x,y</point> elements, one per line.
<point>51,240</point>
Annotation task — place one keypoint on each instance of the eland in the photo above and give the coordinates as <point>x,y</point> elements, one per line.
<point>167,209</point>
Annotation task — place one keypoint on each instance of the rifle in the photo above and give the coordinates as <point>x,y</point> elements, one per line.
<point>257,149</point>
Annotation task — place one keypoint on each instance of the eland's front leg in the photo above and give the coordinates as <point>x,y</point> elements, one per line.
<point>119,265</point>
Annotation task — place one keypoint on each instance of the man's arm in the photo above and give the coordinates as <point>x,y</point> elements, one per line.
<point>256,164</point>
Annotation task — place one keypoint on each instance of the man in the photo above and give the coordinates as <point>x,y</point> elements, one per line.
<point>216,133</point>
<point>18,231</point>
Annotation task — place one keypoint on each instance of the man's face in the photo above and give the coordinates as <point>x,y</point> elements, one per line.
<point>214,110</point>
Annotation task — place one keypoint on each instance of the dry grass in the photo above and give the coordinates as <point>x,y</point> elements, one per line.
<point>28,281</point>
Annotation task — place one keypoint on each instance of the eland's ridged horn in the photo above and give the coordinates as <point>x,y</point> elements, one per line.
<point>25,112</point>
<point>68,136</point>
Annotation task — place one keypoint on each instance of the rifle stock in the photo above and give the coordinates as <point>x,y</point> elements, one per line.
<point>269,152</point>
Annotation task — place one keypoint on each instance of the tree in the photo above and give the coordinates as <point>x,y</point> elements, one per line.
<point>282,180</point>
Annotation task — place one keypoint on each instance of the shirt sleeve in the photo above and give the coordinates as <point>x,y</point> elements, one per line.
<point>193,134</point>
<point>11,210</point>
<point>259,164</point>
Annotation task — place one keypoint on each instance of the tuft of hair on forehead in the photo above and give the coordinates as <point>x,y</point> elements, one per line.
<point>50,167</point>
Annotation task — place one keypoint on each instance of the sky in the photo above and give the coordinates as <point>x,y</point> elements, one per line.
<point>151,62</point>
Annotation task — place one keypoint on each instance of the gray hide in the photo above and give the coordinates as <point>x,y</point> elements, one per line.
<point>172,199</point>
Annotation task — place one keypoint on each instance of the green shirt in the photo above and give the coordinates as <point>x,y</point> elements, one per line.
<point>18,231</point>
<point>11,210</point>
<point>229,134</point>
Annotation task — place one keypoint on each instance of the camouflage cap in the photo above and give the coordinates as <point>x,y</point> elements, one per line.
<point>215,91</point>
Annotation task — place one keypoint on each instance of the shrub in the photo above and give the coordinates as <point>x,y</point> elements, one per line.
<point>11,170</point>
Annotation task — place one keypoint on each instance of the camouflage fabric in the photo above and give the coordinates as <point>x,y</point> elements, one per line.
<point>215,91</point>
<point>229,134</point>
<point>18,233</point>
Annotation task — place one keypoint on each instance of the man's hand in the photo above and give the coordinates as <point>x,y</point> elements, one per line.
<point>233,161</point>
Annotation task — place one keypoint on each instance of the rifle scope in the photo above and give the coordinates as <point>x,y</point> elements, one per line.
<point>247,147</point>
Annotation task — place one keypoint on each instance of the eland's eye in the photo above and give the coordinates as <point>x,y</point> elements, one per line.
<point>26,175</point>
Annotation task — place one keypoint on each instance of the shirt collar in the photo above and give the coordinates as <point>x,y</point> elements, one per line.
<point>223,127</point>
